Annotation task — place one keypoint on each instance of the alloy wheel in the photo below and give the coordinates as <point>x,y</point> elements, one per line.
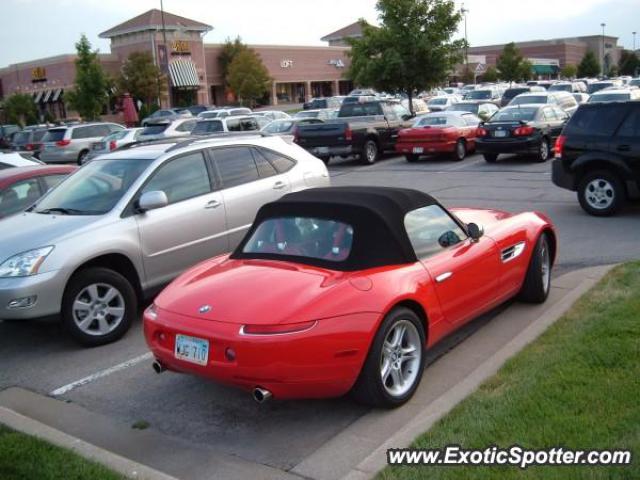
<point>599,194</point>
<point>400,358</point>
<point>98,309</point>
<point>545,266</point>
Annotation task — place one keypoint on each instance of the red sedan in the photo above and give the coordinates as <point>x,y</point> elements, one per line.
<point>341,289</point>
<point>20,187</point>
<point>453,133</point>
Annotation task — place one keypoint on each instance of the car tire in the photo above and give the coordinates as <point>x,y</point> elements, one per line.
<point>490,157</point>
<point>537,280</point>
<point>460,151</point>
<point>601,193</point>
<point>370,388</point>
<point>114,316</point>
<point>411,158</point>
<point>83,157</point>
<point>370,152</point>
<point>543,150</point>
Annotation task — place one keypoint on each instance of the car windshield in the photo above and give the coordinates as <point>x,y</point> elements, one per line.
<point>94,189</point>
<point>561,87</point>
<point>432,121</point>
<point>464,107</point>
<point>208,126</point>
<point>514,115</point>
<point>308,237</point>
<point>524,99</point>
<point>54,135</point>
<point>279,126</point>
<point>512,92</point>
<point>437,101</point>
<point>479,94</point>
<point>609,97</point>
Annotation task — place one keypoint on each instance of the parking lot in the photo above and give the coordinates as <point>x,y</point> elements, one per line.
<point>40,358</point>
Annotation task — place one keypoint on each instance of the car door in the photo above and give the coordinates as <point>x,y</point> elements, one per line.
<point>191,228</point>
<point>626,141</point>
<point>247,184</point>
<point>467,273</point>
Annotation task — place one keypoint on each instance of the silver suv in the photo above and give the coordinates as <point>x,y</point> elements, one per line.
<point>127,223</point>
<point>72,144</point>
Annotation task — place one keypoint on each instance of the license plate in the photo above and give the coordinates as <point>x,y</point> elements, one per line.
<point>322,150</point>
<point>49,147</point>
<point>500,133</point>
<point>418,150</point>
<point>192,349</point>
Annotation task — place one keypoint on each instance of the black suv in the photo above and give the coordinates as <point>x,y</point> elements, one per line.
<point>598,156</point>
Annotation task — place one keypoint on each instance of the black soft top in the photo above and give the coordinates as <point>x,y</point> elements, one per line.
<point>375,213</point>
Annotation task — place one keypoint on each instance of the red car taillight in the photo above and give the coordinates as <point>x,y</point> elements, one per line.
<point>523,131</point>
<point>63,143</point>
<point>482,132</point>
<point>29,147</point>
<point>559,147</point>
<point>112,145</point>
<point>348,134</point>
<point>276,329</point>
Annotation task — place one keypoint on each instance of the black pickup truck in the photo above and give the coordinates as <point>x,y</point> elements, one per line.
<point>365,129</point>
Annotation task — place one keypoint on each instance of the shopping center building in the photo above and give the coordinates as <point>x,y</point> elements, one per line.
<point>298,72</point>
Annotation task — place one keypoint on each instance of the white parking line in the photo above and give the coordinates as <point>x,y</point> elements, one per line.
<point>103,373</point>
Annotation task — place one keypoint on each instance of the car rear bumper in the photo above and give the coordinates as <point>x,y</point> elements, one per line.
<point>330,151</point>
<point>522,146</point>
<point>321,362</point>
<point>561,177</point>
<point>413,148</point>
<point>45,288</point>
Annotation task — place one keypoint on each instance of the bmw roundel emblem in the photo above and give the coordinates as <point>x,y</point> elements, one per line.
<point>204,308</point>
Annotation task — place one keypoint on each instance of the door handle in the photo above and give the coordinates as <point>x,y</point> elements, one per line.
<point>623,148</point>
<point>442,277</point>
<point>279,185</point>
<point>213,204</point>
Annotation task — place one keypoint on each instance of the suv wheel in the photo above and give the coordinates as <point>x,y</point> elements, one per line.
<point>543,151</point>
<point>83,157</point>
<point>601,193</point>
<point>370,152</point>
<point>98,306</point>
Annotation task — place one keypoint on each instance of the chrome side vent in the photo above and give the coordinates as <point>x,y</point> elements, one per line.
<point>512,252</point>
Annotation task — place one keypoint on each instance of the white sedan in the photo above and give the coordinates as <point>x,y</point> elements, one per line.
<point>18,159</point>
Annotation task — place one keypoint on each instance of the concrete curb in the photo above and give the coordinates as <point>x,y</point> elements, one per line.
<point>376,461</point>
<point>110,460</point>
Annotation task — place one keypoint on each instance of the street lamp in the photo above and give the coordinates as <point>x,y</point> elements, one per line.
<point>464,12</point>
<point>603,25</point>
<point>166,49</point>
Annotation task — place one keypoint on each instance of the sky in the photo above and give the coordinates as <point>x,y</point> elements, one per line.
<point>32,29</point>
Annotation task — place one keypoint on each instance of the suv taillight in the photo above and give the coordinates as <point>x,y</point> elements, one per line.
<point>348,134</point>
<point>559,146</point>
<point>63,143</point>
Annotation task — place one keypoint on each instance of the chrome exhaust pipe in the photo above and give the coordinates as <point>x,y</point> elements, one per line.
<point>261,395</point>
<point>158,367</point>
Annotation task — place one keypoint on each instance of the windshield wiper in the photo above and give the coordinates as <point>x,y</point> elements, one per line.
<point>64,211</point>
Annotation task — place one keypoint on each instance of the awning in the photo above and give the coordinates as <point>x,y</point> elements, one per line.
<point>183,74</point>
<point>38,96</point>
<point>56,95</point>
<point>47,96</point>
<point>545,69</point>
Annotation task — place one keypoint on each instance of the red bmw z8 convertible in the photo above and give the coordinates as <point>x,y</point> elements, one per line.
<point>337,290</point>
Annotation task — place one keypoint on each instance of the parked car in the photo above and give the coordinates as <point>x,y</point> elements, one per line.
<point>438,104</point>
<point>365,129</point>
<point>227,124</point>
<point>29,139</point>
<point>354,292</point>
<point>321,103</point>
<point>564,100</point>
<point>288,126</point>
<point>521,129</point>
<point>453,133</point>
<point>484,110</point>
<point>542,83</point>
<point>225,112</point>
<point>272,114</point>
<point>615,95</point>
<point>20,187</point>
<point>168,129</point>
<point>362,92</point>
<point>601,85</point>
<point>571,87</point>
<point>490,94</point>
<point>419,106</point>
<point>18,159</point>
<point>510,93</point>
<point>6,134</point>
<point>128,222</point>
<point>634,82</point>
<point>581,98</point>
<point>72,144</point>
<point>195,110</point>
<point>598,156</point>
<point>113,141</point>
<point>166,114</point>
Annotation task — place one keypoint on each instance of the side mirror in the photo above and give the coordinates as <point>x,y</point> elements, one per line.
<point>152,201</point>
<point>475,232</point>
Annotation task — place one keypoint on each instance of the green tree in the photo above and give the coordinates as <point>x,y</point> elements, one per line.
<point>569,71</point>
<point>509,63</point>
<point>248,77</point>
<point>468,76</point>
<point>526,70</point>
<point>412,50</point>
<point>141,78</point>
<point>589,65</point>
<point>490,74</point>
<point>90,93</point>
<point>20,109</point>
<point>629,63</point>
<point>230,50</point>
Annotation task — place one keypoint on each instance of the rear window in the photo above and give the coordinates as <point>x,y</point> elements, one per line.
<point>435,121</point>
<point>154,129</point>
<point>610,97</point>
<point>464,107</point>
<point>514,115</point>
<point>596,87</point>
<point>38,135</point>
<point>54,135</point>
<point>560,88</point>
<point>479,94</point>
<point>360,109</point>
<point>601,121</point>
<point>208,126</point>
<point>21,137</point>
<point>529,99</point>
<point>512,92</point>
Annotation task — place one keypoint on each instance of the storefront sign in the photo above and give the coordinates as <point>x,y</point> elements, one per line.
<point>286,63</point>
<point>338,63</point>
<point>180,47</point>
<point>39,74</point>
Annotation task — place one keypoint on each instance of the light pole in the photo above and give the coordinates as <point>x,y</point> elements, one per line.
<point>634,42</point>
<point>603,54</point>
<point>166,49</point>
<point>464,12</point>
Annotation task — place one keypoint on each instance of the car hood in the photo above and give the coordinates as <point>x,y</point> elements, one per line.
<point>27,231</point>
<point>250,291</point>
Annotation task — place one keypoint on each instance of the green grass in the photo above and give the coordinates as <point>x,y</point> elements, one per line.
<point>27,458</point>
<point>577,386</point>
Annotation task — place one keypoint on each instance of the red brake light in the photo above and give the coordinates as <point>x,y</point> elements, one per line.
<point>523,131</point>
<point>63,143</point>
<point>29,146</point>
<point>559,147</point>
<point>112,145</point>
<point>348,134</point>
<point>482,132</point>
<point>276,329</point>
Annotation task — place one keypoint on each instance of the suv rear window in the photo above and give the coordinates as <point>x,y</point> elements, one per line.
<point>360,109</point>
<point>208,126</point>
<point>54,135</point>
<point>154,129</point>
<point>599,121</point>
